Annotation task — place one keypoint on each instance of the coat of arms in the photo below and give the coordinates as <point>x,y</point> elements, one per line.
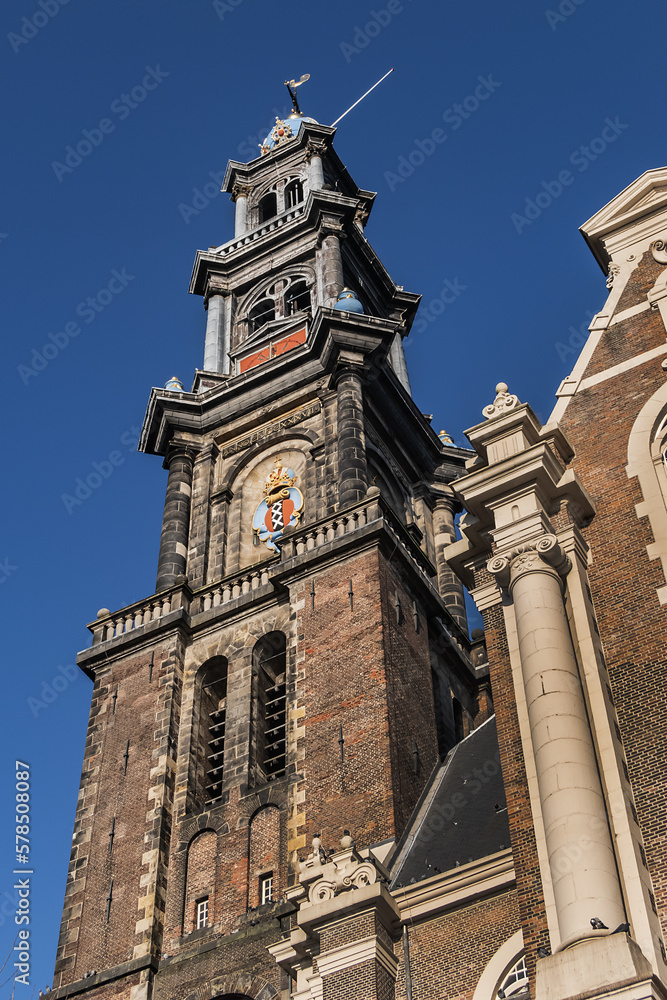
<point>281,507</point>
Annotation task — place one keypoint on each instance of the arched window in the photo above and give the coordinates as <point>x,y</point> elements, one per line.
<point>297,298</point>
<point>293,193</point>
<point>212,725</point>
<point>285,296</point>
<point>268,207</point>
<point>515,982</point>
<point>262,312</point>
<point>268,747</point>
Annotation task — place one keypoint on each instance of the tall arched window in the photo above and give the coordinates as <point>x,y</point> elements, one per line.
<point>297,297</point>
<point>262,312</point>
<point>212,726</point>
<point>268,207</point>
<point>269,732</point>
<point>293,193</point>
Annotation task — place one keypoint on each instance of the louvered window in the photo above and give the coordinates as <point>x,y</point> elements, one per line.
<point>269,729</point>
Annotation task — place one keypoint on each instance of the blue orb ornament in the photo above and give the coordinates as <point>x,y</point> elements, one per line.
<point>348,301</point>
<point>174,385</point>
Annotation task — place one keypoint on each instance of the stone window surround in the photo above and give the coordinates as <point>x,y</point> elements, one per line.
<point>276,187</point>
<point>296,272</point>
<point>498,967</point>
<point>646,445</point>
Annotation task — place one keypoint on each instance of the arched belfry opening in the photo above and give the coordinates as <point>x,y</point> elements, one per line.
<point>268,730</point>
<point>210,749</point>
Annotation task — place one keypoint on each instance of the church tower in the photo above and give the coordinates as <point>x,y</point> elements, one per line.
<point>304,662</point>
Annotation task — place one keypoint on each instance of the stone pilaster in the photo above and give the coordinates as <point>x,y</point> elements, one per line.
<point>347,926</point>
<point>449,585</point>
<point>199,548</point>
<point>352,466</point>
<point>219,517</point>
<point>172,559</point>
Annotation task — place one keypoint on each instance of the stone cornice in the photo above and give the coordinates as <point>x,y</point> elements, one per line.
<point>92,983</point>
<point>456,888</point>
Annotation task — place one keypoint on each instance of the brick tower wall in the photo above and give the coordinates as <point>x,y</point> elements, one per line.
<point>126,705</point>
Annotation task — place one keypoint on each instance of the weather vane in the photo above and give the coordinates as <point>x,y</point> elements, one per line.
<point>291,88</point>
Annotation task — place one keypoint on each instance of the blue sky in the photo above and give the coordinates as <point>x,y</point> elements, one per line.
<point>488,106</point>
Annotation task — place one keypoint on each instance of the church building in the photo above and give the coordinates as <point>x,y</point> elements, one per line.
<point>303,777</point>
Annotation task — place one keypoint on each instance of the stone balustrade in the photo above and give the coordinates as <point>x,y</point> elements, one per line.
<point>268,227</point>
<point>231,588</point>
<point>295,543</point>
<point>110,625</point>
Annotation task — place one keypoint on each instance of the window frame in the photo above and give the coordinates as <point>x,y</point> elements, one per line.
<point>202,913</point>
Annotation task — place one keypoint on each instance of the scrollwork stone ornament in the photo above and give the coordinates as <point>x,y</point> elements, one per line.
<point>503,402</point>
<point>659,251</point>
<point>614,271</point>
<point>355,874</point>
<point>499,567</point>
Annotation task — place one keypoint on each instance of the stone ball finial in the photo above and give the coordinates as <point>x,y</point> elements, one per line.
<point>346,840</point>
<point>103,612</point>
<point>503,402</point>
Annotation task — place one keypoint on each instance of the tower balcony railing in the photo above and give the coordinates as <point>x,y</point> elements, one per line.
<point>277,222</point>
<point>329,532</point>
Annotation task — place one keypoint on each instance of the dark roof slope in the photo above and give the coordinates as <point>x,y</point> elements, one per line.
<point>463,815</point>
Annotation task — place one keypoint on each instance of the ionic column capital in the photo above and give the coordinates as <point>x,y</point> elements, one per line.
<point>543,555</point>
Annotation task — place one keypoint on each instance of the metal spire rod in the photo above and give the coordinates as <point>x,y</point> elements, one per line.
<point>362,97</point>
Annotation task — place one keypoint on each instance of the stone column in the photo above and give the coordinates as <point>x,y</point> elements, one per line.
<point>352,468</point>
<point>172,560</point>
<point>314,152</point>
<point>214,345</point>
<point>449,585</point>
<point>581,857</point>
<point>332,269</point>
<point>240,194</point>
<point>315,174</point>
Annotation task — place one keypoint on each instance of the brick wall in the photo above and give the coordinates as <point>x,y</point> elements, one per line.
<point>264,853</point>
<point>449,954</point>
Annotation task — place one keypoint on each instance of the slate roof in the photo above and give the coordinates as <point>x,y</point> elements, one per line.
<point>462,815</point>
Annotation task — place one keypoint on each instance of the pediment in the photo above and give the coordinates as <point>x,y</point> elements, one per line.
<point>645,196</point>
<point>267,333</point>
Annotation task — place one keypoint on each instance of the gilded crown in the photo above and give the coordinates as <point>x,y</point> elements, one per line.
<point>279,479</point>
